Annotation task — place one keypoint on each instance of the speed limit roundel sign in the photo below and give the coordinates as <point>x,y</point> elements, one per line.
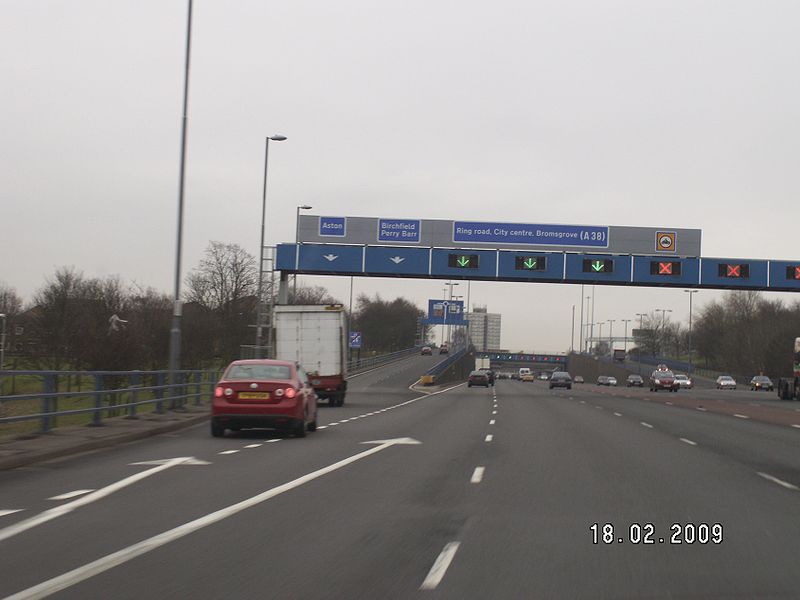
<point>665,241</point>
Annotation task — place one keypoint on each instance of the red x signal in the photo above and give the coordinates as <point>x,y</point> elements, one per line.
<point>665,268</point>
<point>797,272</point>
<point>734,270</point>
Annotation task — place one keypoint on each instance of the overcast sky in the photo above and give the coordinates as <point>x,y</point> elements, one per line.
<point>680,114</point>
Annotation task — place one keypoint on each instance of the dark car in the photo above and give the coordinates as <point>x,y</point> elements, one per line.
<point>490,374</point>
<point>761,382</point>
<point>634,380</point>
<point>561,379</point>
<point>426,351</point>
<point>478,378</point>
<point>663,379</point>
<point>260,393</point>
<point>602,380</point>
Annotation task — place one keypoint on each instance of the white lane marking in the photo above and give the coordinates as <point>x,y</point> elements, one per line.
<point>701,408</point>
<point>668,402</point>
<point>583,401</point>
<point>254,445</point>
<point>616,414</point>
<point>477,475</point>
<point>10,511</point>
<point>491,422</point>
<point>786,484</point>
<point>53,513</point>
<point>646,424</point>
<point>228,452</point>
<point>69,495</point>
<point>70,578</point>
<point>322,427</point>
<point>439,567</point>
<point>489,438</point>
<point>494,412</point>
<point>344,421</point>
<point>690,442</point>
<point>332,424</point>
<point>741,416</point>
<point>600,407</point>
<point>796,425</point>
<point>274,440</point>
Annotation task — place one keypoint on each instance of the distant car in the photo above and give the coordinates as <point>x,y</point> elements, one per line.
<point>634,381</point>
<point>577,379</point>
<point>602,380</point>
<point>561,379</point>
<point>426,351</point>
<point>490,374</point>
<point>543,376</point>
<point>611,381</point>
<point>443,350</point>
<point>726,382</point>
<point>263,393</point>
<point>761,382</point>
<point>684,381</point>
<point>478,378</point>
<point>663,379</point>
<point>527,377</point>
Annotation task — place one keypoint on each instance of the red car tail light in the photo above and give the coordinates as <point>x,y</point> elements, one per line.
<point>291,392</point>
<point>218,392</point>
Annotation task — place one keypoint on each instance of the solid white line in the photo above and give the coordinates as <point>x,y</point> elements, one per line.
<point>741,416</point>
<point>254,445</point>
<point>439,567</point>
<point>228,452</point>
<point>3,513</point>
<point>646,424</point>
<point>64,509</point>
<point>491,422</point>
<point>70,578</point>
<point>785,484</point>
<point>690,442</point>
<point>477,475</point>
<point>69,495</point>
<point>322,426</point>
<point>489,438</point>
<point>616,414</point>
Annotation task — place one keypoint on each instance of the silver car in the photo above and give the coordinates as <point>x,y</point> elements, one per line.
<point>726,382</point>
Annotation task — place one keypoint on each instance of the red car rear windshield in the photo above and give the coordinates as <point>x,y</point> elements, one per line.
<point>247,372</point>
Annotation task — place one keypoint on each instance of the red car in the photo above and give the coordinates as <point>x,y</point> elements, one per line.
<point>663,379</point>
<point>264,393</point>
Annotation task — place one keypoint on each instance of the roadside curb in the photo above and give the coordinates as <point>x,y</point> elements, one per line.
<point>57,450</point>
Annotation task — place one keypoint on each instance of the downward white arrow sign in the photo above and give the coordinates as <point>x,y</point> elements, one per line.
<point>330,257</point>
<point>397,259</point>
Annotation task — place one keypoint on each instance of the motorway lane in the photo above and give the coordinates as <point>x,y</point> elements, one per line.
<point>373,529</point>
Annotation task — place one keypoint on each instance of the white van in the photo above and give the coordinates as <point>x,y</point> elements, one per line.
<point>524,371</point>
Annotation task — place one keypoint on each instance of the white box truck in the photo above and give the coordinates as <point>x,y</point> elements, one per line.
<point>316,337</point>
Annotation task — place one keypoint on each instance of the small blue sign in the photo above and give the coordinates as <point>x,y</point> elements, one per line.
<point>399,231</point>
<point>355,339</point>
<point>445,312</point>
<point>530,233</point>
<point>333,226</point>
<point>331,258</point>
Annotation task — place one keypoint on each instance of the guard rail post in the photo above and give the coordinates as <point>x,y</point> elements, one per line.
<point>134,383</point>
<point>49,388</point>
<point>198,388</point>
<point>98,400</point>
<point>160,393</point>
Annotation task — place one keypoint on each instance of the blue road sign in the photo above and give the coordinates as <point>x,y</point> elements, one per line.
<point>397,260</point>
<point>465,264</point>
<point>333,226</point>
<point>445,312</point>
<point>666,271</point>
<point>399,230</point>
<point>734,273</point>
<point>598,268</point>
<point>330,258</point>
<point>530,233</point>
<point>532,265</point>
<point>784,275</point>
<point>286,257</point>
<point>355,339</point>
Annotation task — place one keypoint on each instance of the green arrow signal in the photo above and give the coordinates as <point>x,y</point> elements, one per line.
<point>598,265</point>
<point>530,263</point>
<point>463,261</point>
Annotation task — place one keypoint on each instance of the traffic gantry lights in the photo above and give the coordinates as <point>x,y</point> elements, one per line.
<point>462,261</point>
<point>734,270</point>
<point>793,272</point>
<point>665,267</point>
<point>530,263</point>
<point>598,265</point>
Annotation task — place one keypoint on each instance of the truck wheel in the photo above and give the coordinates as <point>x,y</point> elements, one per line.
<point>217,430</point>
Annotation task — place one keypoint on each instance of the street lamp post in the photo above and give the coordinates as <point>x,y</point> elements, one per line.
<point>297,240</point>
<point>600,325</point>
<point>447,309</point>
<point>611,336</point>
<point>2,349</point>
<point>580,331</point>
<point>641,326</point>
<point>663,312</point>
<point>691,293</point>
<point>625,341</point>
<point>586,347</point>
<point>572,335</point>
<point>260,299</point>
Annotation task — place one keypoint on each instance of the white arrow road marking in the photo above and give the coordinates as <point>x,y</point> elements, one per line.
<point>54,513</point>
<point>70,578</point>
<point>11,511</point>
<point>397,259</point>
<point>330,257</point>
<point>69,495</point>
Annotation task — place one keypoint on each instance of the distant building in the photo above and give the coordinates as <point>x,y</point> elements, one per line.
<point>484,329</point>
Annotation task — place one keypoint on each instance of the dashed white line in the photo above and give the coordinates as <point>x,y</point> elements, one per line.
<point>11,511</point>
<point>274,440</point>
<point>583,401</point>
<point>701,408</point>
<point>646,424</point>
<point>795,425</point>
<point>228,452</point>
<point>491,422</point>
<point>489,438</point>
<point>477,475</point>
<point>690,442</point>
<point>69,495</point>
<point>668,402</point>
<point>600,407</point>
<point>740,416</point>
<point>494,412</point>
<point>616,414</point>
<point>439,567</point>
<point>322,427</point>
<point>781,482</point>
<point>254,445</point>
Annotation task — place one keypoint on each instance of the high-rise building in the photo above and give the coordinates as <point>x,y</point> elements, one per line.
<point>484,329</point>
